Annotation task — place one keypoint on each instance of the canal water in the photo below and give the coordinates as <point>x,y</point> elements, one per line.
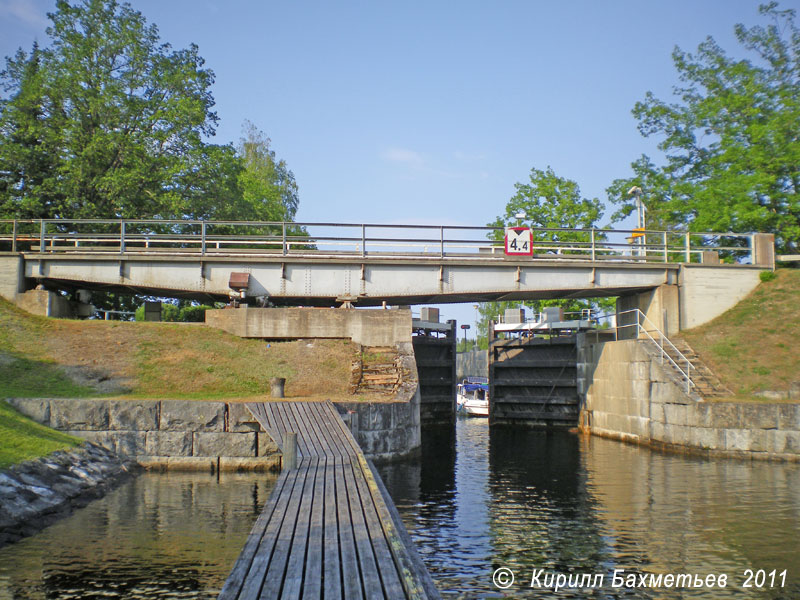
<point>559,503</point>
<point>473,502</point>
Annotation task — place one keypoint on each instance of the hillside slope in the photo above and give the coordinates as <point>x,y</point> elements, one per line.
<point>54,357</point>
<point>755,346</point>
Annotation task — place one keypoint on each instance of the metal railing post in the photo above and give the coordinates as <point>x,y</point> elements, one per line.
<point>41,235</point>
<point>14,236</point>
<point>664,241</point>
<point>122,237</point>
<point>441,241</point>
<point>593,246</point>
<point>688,247</point>
<point>203,238</point>
<point>284,249</point>
<point>363,240</point>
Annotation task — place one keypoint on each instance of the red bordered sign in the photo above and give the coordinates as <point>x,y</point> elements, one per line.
<point>518,241</point>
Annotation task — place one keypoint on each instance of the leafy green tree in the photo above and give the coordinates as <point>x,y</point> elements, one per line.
<point>732,157</point>
<point>107,122</point>
<point>553,203</point>
<point>269,190</point>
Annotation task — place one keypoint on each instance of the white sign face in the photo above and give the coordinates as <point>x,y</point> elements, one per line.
<point>518,241</point>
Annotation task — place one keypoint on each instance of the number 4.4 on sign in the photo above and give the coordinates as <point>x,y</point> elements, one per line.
<point>518,241</point>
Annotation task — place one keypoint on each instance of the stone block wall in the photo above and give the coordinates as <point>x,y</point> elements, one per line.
<point>163,434</point>
<point>384,430</point>
<point>628,394</point>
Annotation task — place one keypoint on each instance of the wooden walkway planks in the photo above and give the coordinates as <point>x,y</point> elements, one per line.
<point>329,530</point>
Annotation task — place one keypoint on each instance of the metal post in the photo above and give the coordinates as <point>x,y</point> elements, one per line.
<point>363,240</point>
<point>666,253</point>
<point>121,237</point>
<point>688,245</point>
<point>203,238</point>
<point>441,241</point>
<point>283,239</point>
<point>41,235</point>
<point>751,242</point>
<point>593,247</point>
<point>290,450</point>
<point>14,236</point>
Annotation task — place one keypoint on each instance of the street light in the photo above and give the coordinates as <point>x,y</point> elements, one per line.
<point>465,327</point>
<point>475,306</point>
<point>520,214</point>
<point>641,218</point>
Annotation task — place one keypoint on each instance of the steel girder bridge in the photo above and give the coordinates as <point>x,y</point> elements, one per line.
<point>325,264</point>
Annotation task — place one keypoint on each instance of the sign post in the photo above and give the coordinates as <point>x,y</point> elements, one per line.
<point>519,241</point>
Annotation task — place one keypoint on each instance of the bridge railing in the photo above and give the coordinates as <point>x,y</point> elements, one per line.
<point>365,239</point>
<point>645,329</point>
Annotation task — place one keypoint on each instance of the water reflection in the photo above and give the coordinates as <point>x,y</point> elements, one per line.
<point>563,503</point>
<point>159,536</point>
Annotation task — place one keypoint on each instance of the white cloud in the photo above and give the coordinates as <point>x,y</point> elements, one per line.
<point>25,11</point>
<point>403,155</point>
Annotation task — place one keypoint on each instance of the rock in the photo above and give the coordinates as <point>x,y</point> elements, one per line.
<point>36,493</point>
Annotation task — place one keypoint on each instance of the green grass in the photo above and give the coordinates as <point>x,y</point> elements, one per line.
<point>22,439</point>
<point>26,378</point>
<point>754,346</point>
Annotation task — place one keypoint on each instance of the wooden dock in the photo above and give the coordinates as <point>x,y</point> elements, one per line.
<point>329,529</point>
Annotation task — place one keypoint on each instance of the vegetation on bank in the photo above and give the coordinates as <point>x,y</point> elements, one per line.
<point>753,346</point>
<point>22,439</point>
<point>49,357</point>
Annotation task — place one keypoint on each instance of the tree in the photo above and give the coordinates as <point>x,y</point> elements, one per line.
<point>554,203</point>
<point>269,190</point>
<point>108,122</point>
<point>730,141</point>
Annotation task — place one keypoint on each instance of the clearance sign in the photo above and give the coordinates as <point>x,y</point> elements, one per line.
<point>518,241</point>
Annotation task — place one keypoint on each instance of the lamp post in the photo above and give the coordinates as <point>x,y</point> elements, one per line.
<point>641,218</point>
<point>465,327</point>
<point>475,306</point>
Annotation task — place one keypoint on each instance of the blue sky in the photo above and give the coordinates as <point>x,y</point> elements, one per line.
<point>429,112</point>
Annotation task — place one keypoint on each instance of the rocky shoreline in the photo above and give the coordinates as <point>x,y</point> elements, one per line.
<point>36,493</point>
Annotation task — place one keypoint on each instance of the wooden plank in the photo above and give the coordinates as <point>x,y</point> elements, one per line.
<point>335,443</point>
<point>331,568</point>
<point>254,579</point>
<point>312,576</point>
<point>406,568</point>
<point>315,431</point>
<point>351,577</point>
<point>421,572</point>
<point>276,574</point>
<point>295,568</point>
<point>371,580</point>
<point>310,431</point>
<point>390,578</point>
<point>233,584</point>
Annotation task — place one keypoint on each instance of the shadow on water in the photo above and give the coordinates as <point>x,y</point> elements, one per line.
<point>528,499</point>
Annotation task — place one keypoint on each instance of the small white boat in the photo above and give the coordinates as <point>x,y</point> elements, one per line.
<point>472,397</point>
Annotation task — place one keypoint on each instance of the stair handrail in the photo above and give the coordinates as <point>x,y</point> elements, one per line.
<point>641,321</point>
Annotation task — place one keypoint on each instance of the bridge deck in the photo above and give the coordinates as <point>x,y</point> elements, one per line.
<point>329,529</point>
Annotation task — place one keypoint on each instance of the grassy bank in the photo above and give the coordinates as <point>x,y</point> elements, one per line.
<point>754,346</point>
<point>63,358</point>
<point>22,439</point>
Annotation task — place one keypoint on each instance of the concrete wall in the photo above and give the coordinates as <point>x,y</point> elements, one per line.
<point>700,294</point>
<point>365,327</point>
<point>474,363</point>
<point>628,395</point>
<point>11,276</point>
<point>706,292</point>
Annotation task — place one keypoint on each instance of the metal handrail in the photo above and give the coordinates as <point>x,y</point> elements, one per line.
<point>126,235</point>
<point>641,321</point>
